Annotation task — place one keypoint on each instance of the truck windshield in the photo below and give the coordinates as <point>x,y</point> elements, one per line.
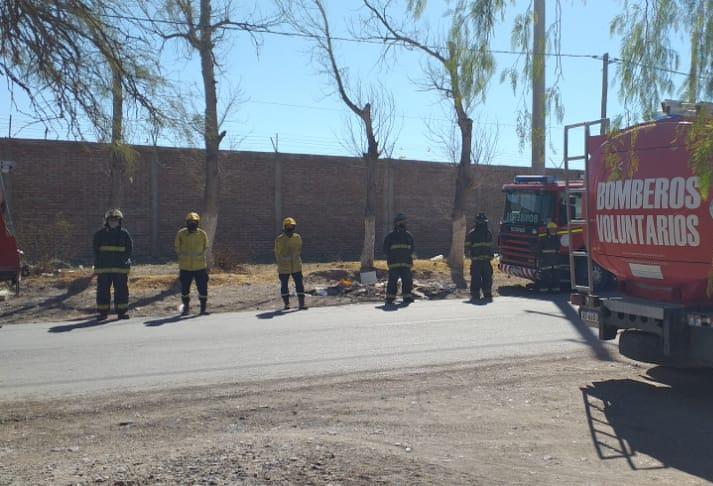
<point>528,207</point>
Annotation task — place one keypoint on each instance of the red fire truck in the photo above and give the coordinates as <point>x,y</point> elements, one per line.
<point>10,254</point>
<point>649,222</point>
<point>532,201</point>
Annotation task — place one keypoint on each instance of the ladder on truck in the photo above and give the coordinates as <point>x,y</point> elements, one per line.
<point>577,255</point>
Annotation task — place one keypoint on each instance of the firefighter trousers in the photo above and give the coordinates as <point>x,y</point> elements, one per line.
<point>550,279</point>
<point>403,273</point>
<point>481,278</point>
<point>285,284</point>
<point>120,282</point>
<point>187,277</point>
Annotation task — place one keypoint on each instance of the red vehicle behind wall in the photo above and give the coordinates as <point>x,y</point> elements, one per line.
<point>10,255</point>
<point>532,201</point>
<point>651,224</point>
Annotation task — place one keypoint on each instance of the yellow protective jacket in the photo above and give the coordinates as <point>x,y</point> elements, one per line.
<point>287,253</point>
<point>191,249</point>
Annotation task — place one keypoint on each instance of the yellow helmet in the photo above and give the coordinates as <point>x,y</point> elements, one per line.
<point>288,222</point>
<point>113,213</point>
<point>193,216</point>
<point>551,225</point>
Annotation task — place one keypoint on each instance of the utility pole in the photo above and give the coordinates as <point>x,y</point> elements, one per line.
<point>538,87</point>
<point>605,83</point>
<point>278,182</point>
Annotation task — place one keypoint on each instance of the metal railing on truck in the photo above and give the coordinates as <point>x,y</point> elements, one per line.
<point>574,254</point>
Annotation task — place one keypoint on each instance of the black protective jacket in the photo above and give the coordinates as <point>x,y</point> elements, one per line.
<point>480,242</point>
<point>399,248</point>
<point>112,250</point>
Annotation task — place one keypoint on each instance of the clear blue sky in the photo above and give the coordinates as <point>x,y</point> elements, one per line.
<point>285,94</point>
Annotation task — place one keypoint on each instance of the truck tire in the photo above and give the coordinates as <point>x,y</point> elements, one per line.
<point>642,346</point>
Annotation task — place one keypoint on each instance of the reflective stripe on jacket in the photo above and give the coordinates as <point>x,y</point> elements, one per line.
<point>288,251</point>
<point>480,242</point>
<point>399,249</point>
<point>112,250</point>
<point>191,247</point>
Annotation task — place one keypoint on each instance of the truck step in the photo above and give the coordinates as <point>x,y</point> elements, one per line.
<point>582,288</point>
<point>581,222</point>
<point>580,253</point>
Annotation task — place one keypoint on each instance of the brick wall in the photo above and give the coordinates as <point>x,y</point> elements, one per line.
<point>69,181</point>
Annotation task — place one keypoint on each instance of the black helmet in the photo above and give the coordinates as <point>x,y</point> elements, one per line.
<point>481,218</point>
<point>400,218</point>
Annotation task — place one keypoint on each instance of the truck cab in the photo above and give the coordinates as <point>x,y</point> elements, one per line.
<point>532,201</point>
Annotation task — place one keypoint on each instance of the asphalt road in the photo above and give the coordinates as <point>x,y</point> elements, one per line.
<point>69,358</point>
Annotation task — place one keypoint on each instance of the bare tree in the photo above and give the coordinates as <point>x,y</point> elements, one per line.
<point>459,68</point>
<point>372,107</point>
<point>202,26</point>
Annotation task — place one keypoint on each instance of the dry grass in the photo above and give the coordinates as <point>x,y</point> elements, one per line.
<point>159,277</point>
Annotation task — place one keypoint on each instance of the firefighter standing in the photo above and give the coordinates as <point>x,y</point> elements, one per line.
<point>548,262</point>
<point>399,249</point>
<point>112,260</point>
<point>191,247</point>
<point>288,250</point>
<point>480,242</point>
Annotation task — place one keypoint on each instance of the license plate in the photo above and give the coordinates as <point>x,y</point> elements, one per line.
<point>589,316</point>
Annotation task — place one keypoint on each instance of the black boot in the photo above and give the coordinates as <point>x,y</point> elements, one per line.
<point>102,316</point>
<point>286,300</point>
<point>123,315</point>
<point>186,306</point>
<point>301,299</point>
<point>204,303</point>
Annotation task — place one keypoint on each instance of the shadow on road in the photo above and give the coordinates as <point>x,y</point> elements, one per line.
<point>561,300</point>
<point>670,424</point>
<point>171,290</point>
<point>275,313</point>
<point>76,287</point>
<point>168,320</point>
<point>78,325</point>
<point>392,307</point>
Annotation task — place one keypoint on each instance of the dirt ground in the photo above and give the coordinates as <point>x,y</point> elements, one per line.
<point>557,420</point>
<point>69,293</point>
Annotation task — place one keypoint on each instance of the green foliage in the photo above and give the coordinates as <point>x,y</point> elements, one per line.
<point>646,73</point>
<point>521,73</point>
<point>646,31</point>
<point>700,146</point>
<point>467,64</point>
<point>126,154</point>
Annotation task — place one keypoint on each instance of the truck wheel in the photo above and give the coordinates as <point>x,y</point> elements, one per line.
<point>641,346</point>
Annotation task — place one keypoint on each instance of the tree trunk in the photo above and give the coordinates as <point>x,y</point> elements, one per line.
<point>456,255</point>
<point>211,195</point>
<point>371,157</point>
<point>367,252</point>
<point>117,167</point>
